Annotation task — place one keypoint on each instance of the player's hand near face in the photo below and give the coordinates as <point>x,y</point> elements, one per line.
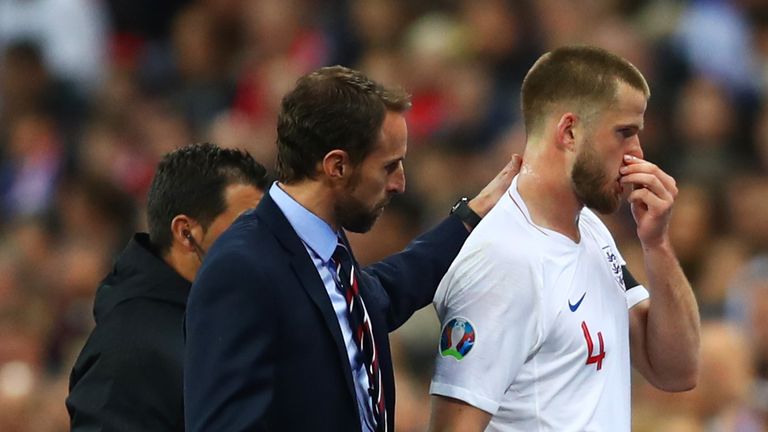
<point>652,197</point>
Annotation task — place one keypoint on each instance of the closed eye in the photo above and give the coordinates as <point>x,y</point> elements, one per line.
<point>393,166</point>
<point>628,132</point>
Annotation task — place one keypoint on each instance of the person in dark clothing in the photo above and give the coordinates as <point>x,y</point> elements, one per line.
<point>128,377</point>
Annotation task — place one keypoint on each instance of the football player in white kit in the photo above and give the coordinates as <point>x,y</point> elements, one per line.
<point>540,320</point>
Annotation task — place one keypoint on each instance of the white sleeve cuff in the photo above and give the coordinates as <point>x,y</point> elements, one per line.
<point>464,395</point>
<point>635,295</point>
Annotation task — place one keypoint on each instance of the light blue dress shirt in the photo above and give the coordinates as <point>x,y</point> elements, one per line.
<point>320,241</point>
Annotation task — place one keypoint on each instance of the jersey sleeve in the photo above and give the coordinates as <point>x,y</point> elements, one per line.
<point>634,291</point>
<point>490,320</point>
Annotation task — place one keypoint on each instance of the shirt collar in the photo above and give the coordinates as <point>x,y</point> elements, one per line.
<point>313,231</point>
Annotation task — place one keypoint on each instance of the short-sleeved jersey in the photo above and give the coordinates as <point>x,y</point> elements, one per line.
<point>535,326</point>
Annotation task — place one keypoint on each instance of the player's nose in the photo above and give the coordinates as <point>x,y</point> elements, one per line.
<point>636,149</point>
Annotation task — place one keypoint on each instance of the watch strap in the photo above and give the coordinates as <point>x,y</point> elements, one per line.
<point>465,213</point>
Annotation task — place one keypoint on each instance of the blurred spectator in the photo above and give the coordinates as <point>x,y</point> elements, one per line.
<point>21,367</point>
<point>705,121</point>
<point>721,400</point>
<point>723,259</point>
<point>29,173</point>
<point>714,38</point>
<point>202,87</point>
<point>94,92</point>
<point>107,152</point>
<point>71,33</point>
<point>94,210</point>
<point>144,20</point>
<point>748,208</point>
<point>281,44</point>
<point>760,127</point>
<point>692,225</point>
<point>748,307</point>
<point>377,24</point>
<point>28,86</point>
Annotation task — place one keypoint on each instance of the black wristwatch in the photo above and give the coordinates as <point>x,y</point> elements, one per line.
<point>465,212</point>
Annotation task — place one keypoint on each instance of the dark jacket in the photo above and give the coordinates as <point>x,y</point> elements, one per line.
<point>264,348</point>
<point>128,376</point>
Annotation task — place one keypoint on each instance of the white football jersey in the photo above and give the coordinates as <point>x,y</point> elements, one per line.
<point>535,327</point>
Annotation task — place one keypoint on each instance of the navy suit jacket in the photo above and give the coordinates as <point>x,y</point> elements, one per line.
<point>264,351</point>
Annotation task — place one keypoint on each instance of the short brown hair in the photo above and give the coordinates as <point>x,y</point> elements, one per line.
<point>331,108</point>
<point>587,76</point>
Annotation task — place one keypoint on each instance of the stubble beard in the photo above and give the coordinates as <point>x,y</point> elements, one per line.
<point>590,183</point>
<point>353,214</point>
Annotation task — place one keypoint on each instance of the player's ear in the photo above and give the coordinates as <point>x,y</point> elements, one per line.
<point>565,135</point>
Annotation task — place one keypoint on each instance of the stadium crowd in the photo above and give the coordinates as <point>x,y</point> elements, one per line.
<point>94,92</point>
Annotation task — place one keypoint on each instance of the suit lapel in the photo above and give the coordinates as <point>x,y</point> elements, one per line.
<point>307,274</point>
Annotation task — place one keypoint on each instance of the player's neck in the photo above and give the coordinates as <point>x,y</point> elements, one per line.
<point>548,194</point>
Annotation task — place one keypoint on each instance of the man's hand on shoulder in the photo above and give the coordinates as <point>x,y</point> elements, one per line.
<point>492,192</point>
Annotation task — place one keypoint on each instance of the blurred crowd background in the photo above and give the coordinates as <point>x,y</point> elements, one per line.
<point>93,92</point>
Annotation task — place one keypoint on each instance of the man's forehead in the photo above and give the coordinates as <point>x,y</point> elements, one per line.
<point>630,104</point>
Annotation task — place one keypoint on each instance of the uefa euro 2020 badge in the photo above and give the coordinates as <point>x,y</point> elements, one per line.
<point>457,338</point>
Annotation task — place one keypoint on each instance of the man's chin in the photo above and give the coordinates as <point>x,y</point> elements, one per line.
<point>606,207</point>
<point>606,204</point>
<point>363,224</point>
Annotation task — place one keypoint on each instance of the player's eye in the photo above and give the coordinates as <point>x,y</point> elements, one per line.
<point>628,132</point>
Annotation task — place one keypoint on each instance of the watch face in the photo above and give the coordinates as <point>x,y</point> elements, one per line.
<point>458,204</point>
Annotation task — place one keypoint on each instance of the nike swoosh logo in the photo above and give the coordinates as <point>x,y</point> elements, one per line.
<point>578,303</point>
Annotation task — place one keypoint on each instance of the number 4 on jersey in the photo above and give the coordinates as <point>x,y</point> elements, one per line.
<point>597,358</point>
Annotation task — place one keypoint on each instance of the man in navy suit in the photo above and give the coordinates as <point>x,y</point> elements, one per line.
<point>281,334</point>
